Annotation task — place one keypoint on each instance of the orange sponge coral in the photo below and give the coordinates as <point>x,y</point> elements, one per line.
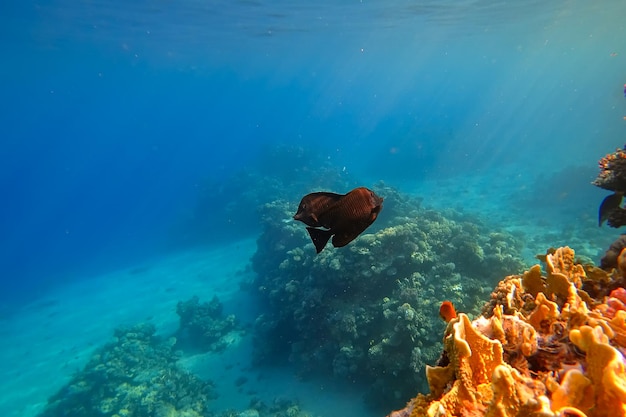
<point>576,390</point>
<point>606,369</point>
<point>556,354</point>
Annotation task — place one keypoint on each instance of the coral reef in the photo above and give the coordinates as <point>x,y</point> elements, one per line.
<point>202,326</point>
<point>612,174</point>
<point>139,375</point>
<point>280,407</point>
<point>135,375</point>
<point>365,313</point>
<point>547,344</point>
<point>612,177</point>
<point>610,258</point>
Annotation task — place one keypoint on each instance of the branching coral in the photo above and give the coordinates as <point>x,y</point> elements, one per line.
<point>561,354</point>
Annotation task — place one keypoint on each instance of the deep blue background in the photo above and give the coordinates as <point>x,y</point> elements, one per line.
<point>111,115</point>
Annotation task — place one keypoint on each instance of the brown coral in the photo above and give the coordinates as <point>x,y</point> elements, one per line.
<point>609,260</point>
<point>612,174</point>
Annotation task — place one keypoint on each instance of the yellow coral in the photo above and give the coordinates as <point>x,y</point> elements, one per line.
<point>473,358</point>
<point>575,310</point>
<point>438,378</point>
<point>544,314</point>
<point>618,325</point>
<point>480,366</point>
<point>533,281</point>
<point>478,380</point>
<point>605,367</point>
<point>576,390</point>
<point>514,395</point>
<point>513,332</point>
<point>562,262</point>
<point>561,272</point>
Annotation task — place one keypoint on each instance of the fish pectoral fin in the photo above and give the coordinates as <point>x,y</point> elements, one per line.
<point>319,237</point>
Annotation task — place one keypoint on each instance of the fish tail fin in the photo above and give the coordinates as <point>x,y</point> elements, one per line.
<point>319,237</point>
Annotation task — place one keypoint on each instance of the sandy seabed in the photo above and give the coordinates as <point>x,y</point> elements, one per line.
<point>53,337</point>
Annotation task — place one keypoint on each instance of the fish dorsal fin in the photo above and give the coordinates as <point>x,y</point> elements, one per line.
<point>319,237</point>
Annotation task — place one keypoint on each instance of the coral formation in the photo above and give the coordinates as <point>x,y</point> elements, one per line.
<point>135,375</point>
<point>615,302</point>
<point>547,344</point>
<point>138,374</point>
<point>612,174</point>
<point>203,327</point>
<point>611,256</point>
<point>612,177</point>
<point>365,312</point>
<point>280,407</point>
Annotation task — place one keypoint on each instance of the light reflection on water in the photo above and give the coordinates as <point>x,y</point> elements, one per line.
<point>198,22</point>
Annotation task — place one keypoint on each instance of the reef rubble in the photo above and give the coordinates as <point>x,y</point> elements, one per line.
<point>548,343</point>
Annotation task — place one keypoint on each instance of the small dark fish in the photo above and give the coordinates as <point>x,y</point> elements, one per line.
<point>609,204</point>
<point>343,217</point>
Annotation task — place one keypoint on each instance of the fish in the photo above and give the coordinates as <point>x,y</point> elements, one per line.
<point>609,204</point>
<point>340,216</point>
<point>447,311</point>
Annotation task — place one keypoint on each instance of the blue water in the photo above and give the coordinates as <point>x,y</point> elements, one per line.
<point>114,114</point>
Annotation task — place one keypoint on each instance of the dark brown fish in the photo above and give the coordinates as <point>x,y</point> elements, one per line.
<point>343,217</point>
<point>609,204</point>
